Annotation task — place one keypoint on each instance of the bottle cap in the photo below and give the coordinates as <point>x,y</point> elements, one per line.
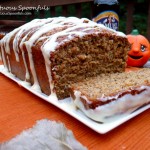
<point>108,2</point>
<point>135,32</point>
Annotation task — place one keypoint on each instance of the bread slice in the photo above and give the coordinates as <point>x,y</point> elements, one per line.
<point>113,94</point>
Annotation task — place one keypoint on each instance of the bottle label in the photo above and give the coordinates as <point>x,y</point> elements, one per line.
<point>108,18</point>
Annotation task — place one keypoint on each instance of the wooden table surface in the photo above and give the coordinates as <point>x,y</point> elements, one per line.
<point>20,109</point>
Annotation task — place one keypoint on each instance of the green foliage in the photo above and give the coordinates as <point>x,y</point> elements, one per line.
<point>86,9</point>
<point>139,17</point>
<point>58,11</point>
<point>140,23</point>
<point>71,10</point>
<point>140,1</point>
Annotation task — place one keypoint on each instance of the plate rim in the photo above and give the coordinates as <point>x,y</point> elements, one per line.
<point>101,128</point>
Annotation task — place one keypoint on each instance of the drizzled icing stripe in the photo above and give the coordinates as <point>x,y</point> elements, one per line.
<point>121,106</point>
<point>42,30</point>
<point>26,27</point>
<point>7,38</point>
<point>2,54</point>
<point>57,22</point>
<point>52,39</point>
<point>6,41</point>
<point>45,27</point>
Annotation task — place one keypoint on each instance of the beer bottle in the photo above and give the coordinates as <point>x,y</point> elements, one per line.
<point>106,12</point>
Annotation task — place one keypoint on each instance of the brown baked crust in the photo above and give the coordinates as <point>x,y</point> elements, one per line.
<point>1,36</point>
<point>99,101</point>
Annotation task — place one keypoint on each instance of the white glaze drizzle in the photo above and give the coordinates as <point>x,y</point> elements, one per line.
<point>3,56</point>
<point>121,106</point>
<point>56,22</point>
<point>0,56</point>
<point>6,39</point>
<point>44,28</point>
<point>27,76</point>
<point>26,27</point>
<point>70,31</point>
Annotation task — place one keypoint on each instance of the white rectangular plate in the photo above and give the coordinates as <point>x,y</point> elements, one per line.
<point>67,106</point>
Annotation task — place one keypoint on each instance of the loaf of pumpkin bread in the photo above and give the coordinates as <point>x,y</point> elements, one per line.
<point>53,53</point>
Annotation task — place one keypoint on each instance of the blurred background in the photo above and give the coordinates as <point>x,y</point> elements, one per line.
<point>133,14</point>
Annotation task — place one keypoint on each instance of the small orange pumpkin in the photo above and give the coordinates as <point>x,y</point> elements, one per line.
<point>139,53</point>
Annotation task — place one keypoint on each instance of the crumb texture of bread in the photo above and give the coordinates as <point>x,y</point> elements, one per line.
<point>113,94</point>
<point>106,85</point>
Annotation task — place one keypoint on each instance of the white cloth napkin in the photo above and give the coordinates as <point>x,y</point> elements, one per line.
<point>45,135</point>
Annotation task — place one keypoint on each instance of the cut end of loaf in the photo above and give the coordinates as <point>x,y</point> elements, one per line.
<point>109,85</point>
<point>87,57</point>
